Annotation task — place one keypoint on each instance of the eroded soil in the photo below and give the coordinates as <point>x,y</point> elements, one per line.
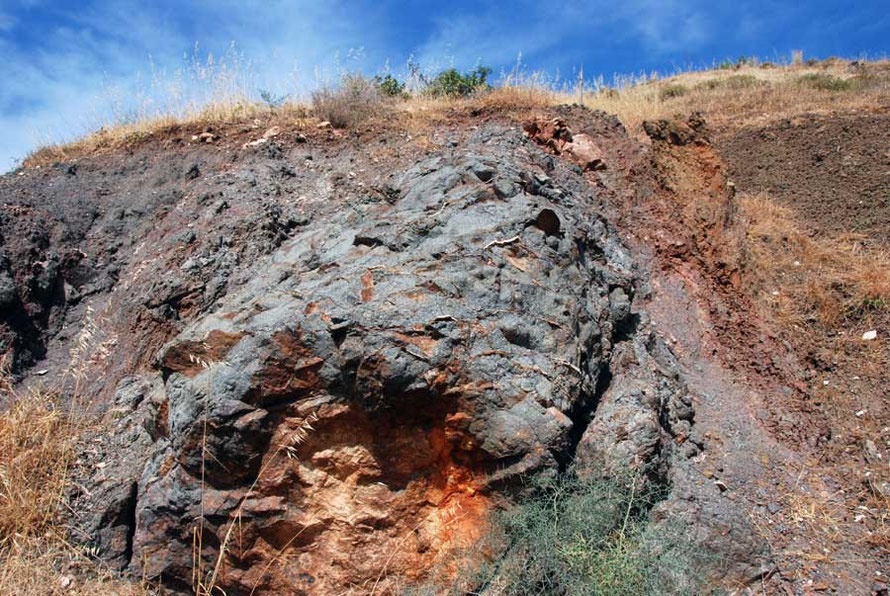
<point>834,171</point>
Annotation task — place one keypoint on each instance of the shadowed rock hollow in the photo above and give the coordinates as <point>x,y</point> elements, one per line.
<point>342,404</point>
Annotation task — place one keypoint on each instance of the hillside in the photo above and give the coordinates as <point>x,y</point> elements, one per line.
<point>489,344</point>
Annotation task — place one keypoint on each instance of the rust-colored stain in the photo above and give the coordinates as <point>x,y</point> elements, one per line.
<point>191,357</point>
<point>367,286</point>
<point>291,369</point>
<point>424,342</point>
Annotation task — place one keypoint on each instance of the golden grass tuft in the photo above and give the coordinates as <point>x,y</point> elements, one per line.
<point>840,282</point>
<point>35,453</point>
<point>516,97</point>
<point>38,445</point>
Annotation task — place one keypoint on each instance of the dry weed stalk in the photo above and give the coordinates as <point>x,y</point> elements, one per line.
<point>842,283</point>
<point>204,581</point>
<point>38,443</point>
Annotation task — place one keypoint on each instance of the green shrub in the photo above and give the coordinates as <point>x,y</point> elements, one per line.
<point>390,86</point>
<point>271,100</point>
<point>824,82</point>
<point>740,62</point>
<point>579,537</point>
<point>710,84</point>
<point>450,83</point>
<point>673,90</point>
<point>744,81</point>
<point>870,81</point>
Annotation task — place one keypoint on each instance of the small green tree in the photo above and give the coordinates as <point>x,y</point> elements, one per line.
<point>451,83</point>
<point>390,86</point>
<point>578,536</point>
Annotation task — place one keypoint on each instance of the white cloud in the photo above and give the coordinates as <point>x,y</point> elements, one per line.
<point>500,31</point>
<point>667,26</point>
<point>75,78</point>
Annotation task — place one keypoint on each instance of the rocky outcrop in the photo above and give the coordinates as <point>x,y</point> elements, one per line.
<point>343,404</point>
<point>382,376</point>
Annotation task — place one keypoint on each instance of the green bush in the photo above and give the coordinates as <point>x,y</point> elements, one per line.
<point>744,81</point>
<point>870,81</point>
<point>824,82</point>
<point>740,62</point>
<point>272,101</point>
<point>736,81</point>
<point>450,83</point>
<point>673,90</point>
<point>390,86</point>
<point>579,536</point>
<point>710,84</point>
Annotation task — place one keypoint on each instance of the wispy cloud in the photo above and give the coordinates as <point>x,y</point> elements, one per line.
<point>670,25</point>
<point>6,22</point>
<point>73,68</point>
<point>496,33</point>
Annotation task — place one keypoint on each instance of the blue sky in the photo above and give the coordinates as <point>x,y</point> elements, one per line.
<point>68,66</point>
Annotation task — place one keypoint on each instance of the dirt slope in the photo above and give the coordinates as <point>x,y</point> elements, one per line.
<point>833,171</point>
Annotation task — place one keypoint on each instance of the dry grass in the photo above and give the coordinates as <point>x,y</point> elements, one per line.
<point>839,282</point>
<point>48,566</point>
<point>748,93</point>
<point>517,97</point>
<point>355,100</point>
<point>38,445</point>
<point>113,138</point>
<point>35,452</point>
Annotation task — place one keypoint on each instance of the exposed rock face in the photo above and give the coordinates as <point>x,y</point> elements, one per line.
<point>341,406</point>
<point>410,361</point>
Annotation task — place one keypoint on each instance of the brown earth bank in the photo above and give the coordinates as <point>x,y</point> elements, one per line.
<point>325,358</point>
<point>833,171</point>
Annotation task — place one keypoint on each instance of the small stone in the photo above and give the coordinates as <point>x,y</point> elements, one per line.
<point>324,125</point>
<point>256,143</point>
<point>872,455</point>
<point>870,335</point>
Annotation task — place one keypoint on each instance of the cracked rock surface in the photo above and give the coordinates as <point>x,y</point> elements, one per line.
<point>360,390</point>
